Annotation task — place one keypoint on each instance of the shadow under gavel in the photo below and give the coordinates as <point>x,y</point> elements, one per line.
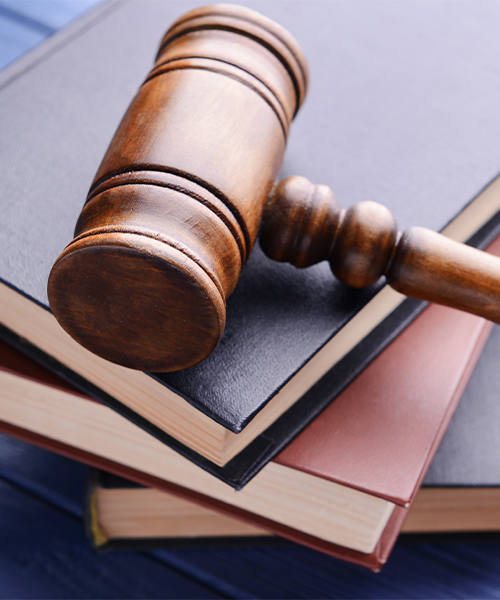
<point>188,182</point>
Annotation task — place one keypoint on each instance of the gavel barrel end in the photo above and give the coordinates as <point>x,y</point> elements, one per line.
<point>176,203</point>
<point>136,301</point>
<point>432,267</point>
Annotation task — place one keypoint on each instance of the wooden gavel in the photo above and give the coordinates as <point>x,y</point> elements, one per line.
<point>189,180</point>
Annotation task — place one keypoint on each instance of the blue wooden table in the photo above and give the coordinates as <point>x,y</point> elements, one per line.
<point>44,552</point>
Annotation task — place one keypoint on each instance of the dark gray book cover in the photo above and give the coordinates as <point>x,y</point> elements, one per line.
<point>402,109</point>
<point>469,454</point>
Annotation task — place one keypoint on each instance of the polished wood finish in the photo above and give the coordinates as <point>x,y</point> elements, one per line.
<point>176,205</point>
<point>178,200</point>
<point>304,224</point>
<point>298,222</point>
<point>432,267</point>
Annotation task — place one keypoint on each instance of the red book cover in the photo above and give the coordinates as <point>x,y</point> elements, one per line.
<point>377,437</point>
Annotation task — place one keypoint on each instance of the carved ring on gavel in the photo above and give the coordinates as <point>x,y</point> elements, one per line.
<point>184,187</point>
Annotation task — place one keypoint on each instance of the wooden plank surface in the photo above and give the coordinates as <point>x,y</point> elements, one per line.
<point>15,39</point>
<point>26,23</point>
<point>44,552</point>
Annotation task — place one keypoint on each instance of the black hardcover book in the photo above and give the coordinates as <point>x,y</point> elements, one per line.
<point>402,109</point>
<point>458,501</point>
<point>387,422</point>
<point>123,515</point>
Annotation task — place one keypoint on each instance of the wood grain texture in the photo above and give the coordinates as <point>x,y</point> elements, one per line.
<point>417,571</point>
<point>176,204</point>
<point>363,244</point>
<point>45,555</point>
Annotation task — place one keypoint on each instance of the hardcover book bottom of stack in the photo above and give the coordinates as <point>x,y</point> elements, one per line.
<point>343,486</point>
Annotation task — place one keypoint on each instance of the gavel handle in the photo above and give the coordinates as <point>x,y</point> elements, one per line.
<point>304,224</point>
<point>429,266</point>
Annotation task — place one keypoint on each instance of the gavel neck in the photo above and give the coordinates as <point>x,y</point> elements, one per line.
<point>304,224</point>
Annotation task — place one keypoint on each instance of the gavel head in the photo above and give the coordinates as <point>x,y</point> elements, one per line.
<point>176,204</point>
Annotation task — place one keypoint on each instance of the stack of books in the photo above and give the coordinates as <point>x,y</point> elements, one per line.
<point>323,406</point>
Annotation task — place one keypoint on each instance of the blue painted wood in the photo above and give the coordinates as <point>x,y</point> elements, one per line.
<point>26,23</point>
<point>11,14</point>
<point>55,479</point>
<point>418,571</point>
<point>15,40</point>
<point>44,554</point>
<point>42,479</point>
<point>43,549</point>
<point>46,15</point>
